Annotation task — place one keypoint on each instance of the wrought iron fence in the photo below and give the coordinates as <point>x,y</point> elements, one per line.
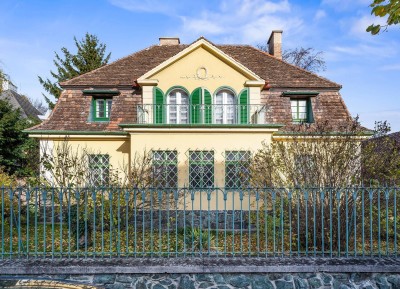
<point>254,222</point>
<point>220,114</point>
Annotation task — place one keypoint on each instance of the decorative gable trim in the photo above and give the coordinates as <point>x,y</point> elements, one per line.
<point>213,50</point>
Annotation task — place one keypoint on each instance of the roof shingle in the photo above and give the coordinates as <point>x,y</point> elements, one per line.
<point>277,73</point>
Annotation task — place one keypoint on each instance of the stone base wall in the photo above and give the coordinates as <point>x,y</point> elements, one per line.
<point>218,281</point>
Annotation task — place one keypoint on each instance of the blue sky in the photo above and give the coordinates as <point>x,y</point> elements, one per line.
<point>367,66</point>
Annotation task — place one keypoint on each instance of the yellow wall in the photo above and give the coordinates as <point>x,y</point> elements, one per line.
<point>185,72</point>
<point>118,149</point>
<point>218,141</point>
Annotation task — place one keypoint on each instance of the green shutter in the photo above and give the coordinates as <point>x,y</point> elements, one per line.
<point>158,105</point>
<point>243,107</point>
<point>195,101</point>
<point>310,116</point>
<point>207,106</point>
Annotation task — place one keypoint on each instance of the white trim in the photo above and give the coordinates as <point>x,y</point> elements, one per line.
<point>147,82</point>
<point>254,83</point>
<point>211,48</point>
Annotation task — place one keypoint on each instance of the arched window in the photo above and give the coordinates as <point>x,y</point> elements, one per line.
<point>225,107</point>
<point>177,107</point>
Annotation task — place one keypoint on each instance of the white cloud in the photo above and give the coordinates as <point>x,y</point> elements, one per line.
<point>152,6</point>
<point>248,21</point>
<point>319,15</point>
<point>366,50</point>
<point>243,21</point>
<point>359,25</point>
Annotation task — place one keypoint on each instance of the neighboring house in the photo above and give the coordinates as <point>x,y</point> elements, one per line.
<point>17,100</point>
<point>201,109</point>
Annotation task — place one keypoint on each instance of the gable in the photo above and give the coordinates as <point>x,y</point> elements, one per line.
<point>201,68</point>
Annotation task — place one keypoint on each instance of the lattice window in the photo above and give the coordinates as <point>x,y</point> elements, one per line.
<point>237,169</point>
<point>201,169</point>
<point>165,169</point>
<point>99,169</point>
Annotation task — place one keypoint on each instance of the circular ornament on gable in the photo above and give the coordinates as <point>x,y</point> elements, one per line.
<point>201,72</point>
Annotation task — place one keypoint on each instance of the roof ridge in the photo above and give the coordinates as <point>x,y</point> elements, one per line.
<point>107,65</point>
<point>299,68</point>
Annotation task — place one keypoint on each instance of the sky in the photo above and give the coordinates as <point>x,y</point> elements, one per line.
<point>368,67</point>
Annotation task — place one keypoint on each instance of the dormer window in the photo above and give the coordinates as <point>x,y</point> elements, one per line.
<point>300,105</point>
<point>300,110</point>
<point>101,109</point>
<point>101,103</point>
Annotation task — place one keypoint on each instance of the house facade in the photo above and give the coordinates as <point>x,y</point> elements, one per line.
<point>200,110</point>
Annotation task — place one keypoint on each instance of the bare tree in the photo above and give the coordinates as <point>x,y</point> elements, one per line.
<point>311,156</point>
<point>305,58</point>
<point>39,105</point>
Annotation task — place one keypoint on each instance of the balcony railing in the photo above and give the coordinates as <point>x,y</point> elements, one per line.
<point>114,222</point>
<point>223,114</point>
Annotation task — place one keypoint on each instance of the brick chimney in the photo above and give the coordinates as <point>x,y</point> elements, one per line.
<point>275,44</point>
<point>169,41</point>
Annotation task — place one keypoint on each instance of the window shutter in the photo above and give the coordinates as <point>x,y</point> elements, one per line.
<point>207,106</point>
<point>310,116</point>
<point>195,111</point>
<point>158,105</point>
<point>243,106</point>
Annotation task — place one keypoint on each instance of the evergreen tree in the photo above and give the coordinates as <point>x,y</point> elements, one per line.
<point>17,150</point>
<point>91,54</point>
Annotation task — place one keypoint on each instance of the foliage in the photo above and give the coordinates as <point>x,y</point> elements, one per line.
<point>18,153</point>
<point>91,54</point>
<point>381,160</point>
<point>7,180</point>
<point>311,156</point>
<point>381,128</point>
<point>305,58</point>
<point>62,165</point>
<point>197,239</point>
<point>384,8</point>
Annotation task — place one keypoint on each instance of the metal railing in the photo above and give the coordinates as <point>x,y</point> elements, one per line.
<point>201,114</point>
<point>268,222</point>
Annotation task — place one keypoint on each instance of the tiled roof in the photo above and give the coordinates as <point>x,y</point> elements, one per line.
<point>72,111</point>
<point>21,102</point>
<point>275,72</point>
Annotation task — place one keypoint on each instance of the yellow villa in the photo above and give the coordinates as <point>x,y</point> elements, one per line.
<point>201,109</point>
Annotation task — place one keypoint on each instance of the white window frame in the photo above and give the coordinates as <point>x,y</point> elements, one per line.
<point>225,107</point>
<point>179,106</point>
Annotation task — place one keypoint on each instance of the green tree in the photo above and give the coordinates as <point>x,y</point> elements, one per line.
<point>18,153</point>
<point>385,8</point>
<point>91,54</point>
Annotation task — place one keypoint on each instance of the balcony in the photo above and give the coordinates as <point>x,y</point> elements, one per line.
<point>215,114</point>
